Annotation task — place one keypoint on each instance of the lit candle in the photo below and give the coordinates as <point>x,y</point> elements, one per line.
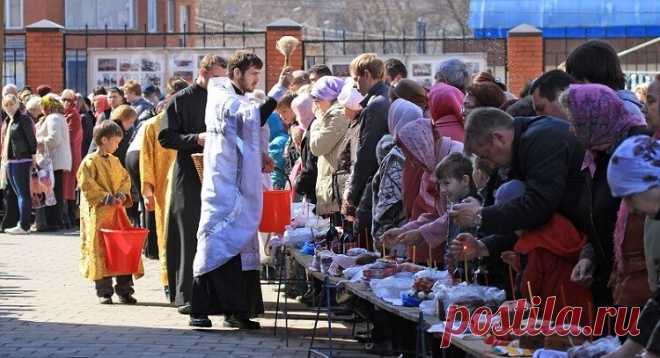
<point>529,288</point>
<point>383,246</point>
<point>430,262</point>
<point>414,258</point>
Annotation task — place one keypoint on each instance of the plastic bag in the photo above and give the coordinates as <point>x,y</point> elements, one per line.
<point>472,296</point>
<point>297,237</point>
<point>595,349</point>
<point>392,286</point>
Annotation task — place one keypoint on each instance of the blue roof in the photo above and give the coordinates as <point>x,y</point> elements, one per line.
<point>567,18</point>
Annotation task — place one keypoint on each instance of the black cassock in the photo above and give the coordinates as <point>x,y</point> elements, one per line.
<point>180,127</point>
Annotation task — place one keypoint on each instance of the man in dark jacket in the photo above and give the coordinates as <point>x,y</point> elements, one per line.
<point>539,151</point>
<point>367,72</point>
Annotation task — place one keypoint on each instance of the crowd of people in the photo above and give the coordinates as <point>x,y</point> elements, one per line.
<point>560,182</point>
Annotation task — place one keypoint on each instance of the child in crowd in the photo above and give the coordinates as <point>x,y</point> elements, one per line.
<point>105,187</point>
<point>455,183</point>
<point>545,257</point>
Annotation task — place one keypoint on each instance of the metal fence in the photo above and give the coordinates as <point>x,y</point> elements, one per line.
<point>318,50</point>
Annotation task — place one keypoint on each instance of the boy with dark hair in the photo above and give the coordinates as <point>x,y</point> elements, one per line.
<point>318,71</point>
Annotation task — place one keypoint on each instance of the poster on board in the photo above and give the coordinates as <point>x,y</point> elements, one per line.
<point>151,67</point>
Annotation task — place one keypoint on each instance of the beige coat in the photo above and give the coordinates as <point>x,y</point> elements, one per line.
<point>326,135</point>
<point>53,132</point>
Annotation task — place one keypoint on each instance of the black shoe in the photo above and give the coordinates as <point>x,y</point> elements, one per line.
<point>166,289</point>
<point>105,300</point>
<point>200,321</point>
<point>241,323</point>
<point>127,299</point>
<point>185,309</point>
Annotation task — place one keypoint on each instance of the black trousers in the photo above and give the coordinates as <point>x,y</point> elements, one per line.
<point>123,287</point>
<point>55,214</point>
<point>10,203</point>
<point>133,168</point>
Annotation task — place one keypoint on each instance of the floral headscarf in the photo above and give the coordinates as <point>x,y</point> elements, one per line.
<point>599,116</point>
<point>401,113</point>
<point>635,166</point>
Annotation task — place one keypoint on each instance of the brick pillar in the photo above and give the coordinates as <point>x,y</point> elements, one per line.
<point>524,56</point>
<point>44,42</point>
<point>274,59</point>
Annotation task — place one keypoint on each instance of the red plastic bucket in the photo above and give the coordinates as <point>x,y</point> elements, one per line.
<point>123,249</point>
<point>276,212</point>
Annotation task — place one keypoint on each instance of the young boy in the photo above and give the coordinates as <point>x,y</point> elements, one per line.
<point>105,187</point>
<point>455,183</point>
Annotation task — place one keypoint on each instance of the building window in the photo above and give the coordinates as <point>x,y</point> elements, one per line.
<point>183,19</point>
<point>76,70</point>
<point>13,14</point>
<point>152,15</point>
<point>14,63</point>
<point>170,15</point>
<point>96,14</point>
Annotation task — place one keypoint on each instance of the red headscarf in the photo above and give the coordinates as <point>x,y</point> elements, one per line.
<point>102,105</point>
<point>445,103</point>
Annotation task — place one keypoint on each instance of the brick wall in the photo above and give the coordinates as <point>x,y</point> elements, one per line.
<point>274,60</point>
<point>524,59</point>
<point>44,56</point>
<point>37,10</point>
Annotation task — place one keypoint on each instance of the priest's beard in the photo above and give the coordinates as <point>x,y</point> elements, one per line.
<point>245,85</point>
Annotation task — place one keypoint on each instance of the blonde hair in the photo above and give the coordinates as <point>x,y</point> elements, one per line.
<point>10,97</point>
<point>209,61</point>
<point>368,62</point>
<point>33,103</point>
<point>123,112</point>
<point>69,92</point>
<point>52,104</point>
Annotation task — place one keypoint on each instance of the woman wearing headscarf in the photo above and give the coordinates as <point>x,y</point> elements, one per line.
<point>634,174</point>
<point>388,183</point>
<point>445,104</point>
<point>326,133</point>
<point>418,144</point>
<point>102,108</point>
<point>600,121</point>
<point>305,183</point>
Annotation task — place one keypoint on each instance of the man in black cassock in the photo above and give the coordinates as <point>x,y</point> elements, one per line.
<point>183,130</point>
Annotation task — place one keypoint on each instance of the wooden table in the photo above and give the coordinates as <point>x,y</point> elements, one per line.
<point>472,345</point>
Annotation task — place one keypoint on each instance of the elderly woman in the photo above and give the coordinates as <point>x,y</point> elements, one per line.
<point>634,174</point>
<point>388,193</point>
<point>18,146</point>
<point>453,72</point>
<point>445,104</point>
<point>33,108</point>
<point>417,142</point>
<point>410,90</point>
<point>73,121</point>
<point>53,142</point>
<point>600,121</point>
<point>326,133</point>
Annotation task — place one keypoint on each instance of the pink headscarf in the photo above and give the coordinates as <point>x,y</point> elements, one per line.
<point>445,100</point>
<point>102,105</point>
<point>402,112</point>
<point>599,116</point>
<point>302,107</point>
<point>417,138</point>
